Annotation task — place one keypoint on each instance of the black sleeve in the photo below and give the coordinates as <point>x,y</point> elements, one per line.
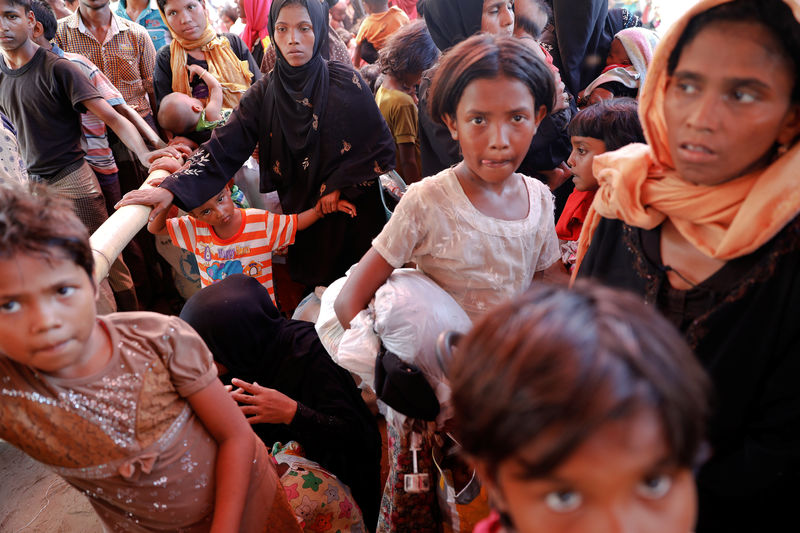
<point>241,51</point>
<point>610,260</point>
<point>75,84</point>
<point>576,24</point>
<point>334,420</point>
<point>217,160</point>
<point>162,75</point>
<point>438,149</point>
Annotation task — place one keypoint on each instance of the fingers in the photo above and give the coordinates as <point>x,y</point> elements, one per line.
<point>169,164</point>
<point>346,207</point>
<point>182,149</point>
<point>252,388</point>
<point>137,198</point>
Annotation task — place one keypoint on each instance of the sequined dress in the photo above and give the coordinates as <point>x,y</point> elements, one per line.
<point>128,438</point>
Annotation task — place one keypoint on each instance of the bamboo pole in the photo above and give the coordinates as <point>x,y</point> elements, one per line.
<point>116,232</point>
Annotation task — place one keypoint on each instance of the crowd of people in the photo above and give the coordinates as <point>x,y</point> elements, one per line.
<point>491,265</point>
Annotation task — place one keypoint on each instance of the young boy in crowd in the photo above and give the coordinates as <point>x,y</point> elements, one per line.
<point>229,240</point>
<point>95,136</point>
<point>603,127</point>
<point>582,410</point>
<point>182,114</point>
<point>376,28</point>
<point>408,53</point>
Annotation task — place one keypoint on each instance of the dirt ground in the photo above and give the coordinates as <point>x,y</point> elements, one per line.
<point>34,500</point>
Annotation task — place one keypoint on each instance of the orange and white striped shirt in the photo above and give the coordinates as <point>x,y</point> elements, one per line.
<point>248,252</point>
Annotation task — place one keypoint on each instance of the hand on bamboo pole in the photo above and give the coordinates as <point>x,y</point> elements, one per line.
<point>159,199</point>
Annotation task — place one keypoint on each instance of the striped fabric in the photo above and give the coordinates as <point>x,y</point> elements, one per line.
<point>127,56</point>
<point>248,252</point>
<point>98,152</point>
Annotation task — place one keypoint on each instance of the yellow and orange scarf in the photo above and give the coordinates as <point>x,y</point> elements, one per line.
<point>233,74</point>
<point>640,186</point>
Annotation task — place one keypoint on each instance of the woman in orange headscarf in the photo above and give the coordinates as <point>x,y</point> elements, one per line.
<point>194,42</point>
<point>704,224</point>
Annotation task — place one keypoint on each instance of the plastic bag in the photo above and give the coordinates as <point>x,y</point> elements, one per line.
<point>328,328</point>
<point>411,310</point>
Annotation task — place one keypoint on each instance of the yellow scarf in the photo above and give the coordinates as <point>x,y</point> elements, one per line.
<point>640,186</point>
<point>233,74</point>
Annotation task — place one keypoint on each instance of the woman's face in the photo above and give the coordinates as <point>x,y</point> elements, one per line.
<point>728,103</point>
<point>187,18</point>
<point>497,17</point>
<point>619,479</point>
<point>294,34</point>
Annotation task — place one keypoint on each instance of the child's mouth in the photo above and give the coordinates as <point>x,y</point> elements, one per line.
<point>495,163</point>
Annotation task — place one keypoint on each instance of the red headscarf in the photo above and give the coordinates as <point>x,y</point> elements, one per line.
<point>256,12</point>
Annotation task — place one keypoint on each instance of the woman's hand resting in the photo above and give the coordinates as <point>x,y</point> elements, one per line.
<point>262,405</point>
<point>330,202</point>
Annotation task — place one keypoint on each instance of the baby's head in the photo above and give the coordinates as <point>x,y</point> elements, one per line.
<point>407,54</point>
<point>47,308</point>
<point>617,55</point>
<point>603,127</point>
<point>581,408</point>
<point>179,113</point>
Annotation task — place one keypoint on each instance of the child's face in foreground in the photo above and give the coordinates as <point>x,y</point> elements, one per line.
<point>580,161</point>
<point>218,211</point>
<point>16,26</point>
<point>619,479</point>
<point>728,103</point>
<point>47,314</point>
<point>495,122</point>
<point>617,54</point>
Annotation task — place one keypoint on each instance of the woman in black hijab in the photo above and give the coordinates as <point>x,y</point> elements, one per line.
<point>320,136</point>
<point>289,387</point>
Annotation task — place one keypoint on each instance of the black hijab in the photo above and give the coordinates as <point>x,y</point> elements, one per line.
<point>325,134</point>
<point>451,21</point>
<point>247,334</point>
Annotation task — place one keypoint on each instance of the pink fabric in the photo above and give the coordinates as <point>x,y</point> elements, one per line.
<point>490,524</point>
<point>409,6</point>
<point>257,14</point>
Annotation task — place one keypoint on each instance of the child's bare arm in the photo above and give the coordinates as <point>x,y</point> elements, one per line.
<point>158,226</point>
<point>367,276</point>
<point>236,447</point>
<point>214,105</point>
<point>407,162</point>
<point>309,216</point>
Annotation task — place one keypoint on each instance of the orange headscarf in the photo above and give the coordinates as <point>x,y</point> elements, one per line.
<point>232,73</point>
<point>640,186</point>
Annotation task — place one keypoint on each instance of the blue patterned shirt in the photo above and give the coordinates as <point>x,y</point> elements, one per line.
<point>151,19</point>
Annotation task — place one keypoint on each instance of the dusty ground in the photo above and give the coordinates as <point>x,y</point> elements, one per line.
<point>34,500</point>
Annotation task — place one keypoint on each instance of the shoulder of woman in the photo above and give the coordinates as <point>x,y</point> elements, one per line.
<point>164,55</point>
<point>236,42</point>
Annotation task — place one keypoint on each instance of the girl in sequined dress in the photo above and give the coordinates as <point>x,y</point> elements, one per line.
<point>125,407</point>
